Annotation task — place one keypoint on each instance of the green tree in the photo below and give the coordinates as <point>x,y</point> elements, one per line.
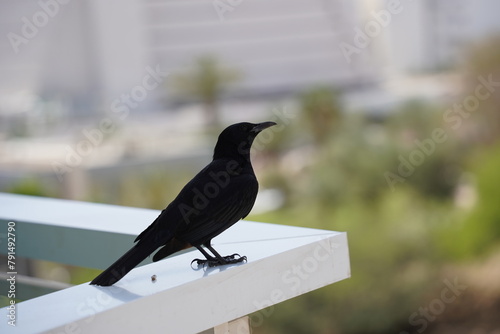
<point>478,231</point>
<point>439,164</point>
<point>29,186</point>
<point>321,111</point>
<point>205,82</point>
<point>483,65</point>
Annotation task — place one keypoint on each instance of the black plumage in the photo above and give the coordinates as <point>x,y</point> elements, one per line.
<point>221,194</point>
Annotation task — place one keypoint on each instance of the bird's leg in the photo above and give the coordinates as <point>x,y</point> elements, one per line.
<point>230,259</point>
<point>209,259</point>
<point>218,260</point>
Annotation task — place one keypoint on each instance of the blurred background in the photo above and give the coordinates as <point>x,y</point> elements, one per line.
<point>389,129</point>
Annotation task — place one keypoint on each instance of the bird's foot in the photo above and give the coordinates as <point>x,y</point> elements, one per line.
<point>214,262</point>
<point>235,258</point>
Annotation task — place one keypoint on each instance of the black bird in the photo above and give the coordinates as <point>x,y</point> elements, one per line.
<point>221,194</point>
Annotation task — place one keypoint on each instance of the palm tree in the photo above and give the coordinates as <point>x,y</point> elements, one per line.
<point>321,111</point>
<point>206,82</point>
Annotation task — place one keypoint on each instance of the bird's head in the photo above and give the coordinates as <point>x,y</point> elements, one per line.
<point>236,140</point>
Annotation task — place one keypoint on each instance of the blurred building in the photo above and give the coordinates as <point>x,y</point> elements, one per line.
<point>65,65</point>
<point>79,56</point>
<point>85,54</point>
<point>430,35</point>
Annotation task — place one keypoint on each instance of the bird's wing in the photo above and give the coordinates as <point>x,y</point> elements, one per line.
<point>209,207</point>
<point>232,204</point>
<point>216,198</point>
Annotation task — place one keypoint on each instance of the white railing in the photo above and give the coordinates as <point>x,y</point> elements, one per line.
<point>283,262</point>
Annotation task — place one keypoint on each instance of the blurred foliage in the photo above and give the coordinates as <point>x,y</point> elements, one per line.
<point>403,238</point>
<point>483,65</point>
<point>479,229</point>
<point>392,259</point>
<point>148,190</point>
<point>205,82</point>
<point>395,256</point>
<point>321,111</point>
<point>411,130</point>
<point>332,169</point>
<point>29,186</point>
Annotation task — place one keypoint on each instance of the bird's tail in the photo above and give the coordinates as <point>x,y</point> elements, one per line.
<point>124,264</point>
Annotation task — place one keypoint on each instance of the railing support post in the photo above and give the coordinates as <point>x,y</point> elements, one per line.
<point>237,326</point>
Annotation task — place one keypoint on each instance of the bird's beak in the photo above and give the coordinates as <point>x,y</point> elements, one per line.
<point>261,126</point>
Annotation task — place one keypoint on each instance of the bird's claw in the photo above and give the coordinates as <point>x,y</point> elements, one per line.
<point>235,258</point>
<point>198,262</point>
<point>214,262</point>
